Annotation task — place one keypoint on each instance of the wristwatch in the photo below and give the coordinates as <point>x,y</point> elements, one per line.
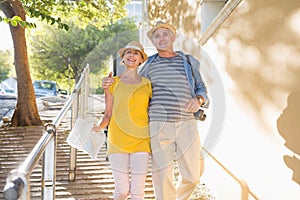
<point>201,99</point>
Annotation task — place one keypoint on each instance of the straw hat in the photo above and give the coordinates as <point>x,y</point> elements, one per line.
<point>135,46</point>
<point>161,24</point>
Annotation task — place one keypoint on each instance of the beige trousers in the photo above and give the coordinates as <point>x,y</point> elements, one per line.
<point>175,141</point>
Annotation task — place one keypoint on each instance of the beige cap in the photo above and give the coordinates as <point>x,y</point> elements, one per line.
<point>135,46</point>
<point>161,24</point>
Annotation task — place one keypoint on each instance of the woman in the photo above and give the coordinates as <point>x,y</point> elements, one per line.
<point>126,112</point>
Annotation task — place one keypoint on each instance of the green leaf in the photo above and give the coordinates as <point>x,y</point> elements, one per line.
<point>66,27</point>
<point>17,18</point>
<point>23,24</point>
<point>6,20</point>
<point>14,22</point>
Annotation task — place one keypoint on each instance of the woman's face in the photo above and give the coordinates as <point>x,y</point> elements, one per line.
<point>163,39</point>
<point>132,58</point>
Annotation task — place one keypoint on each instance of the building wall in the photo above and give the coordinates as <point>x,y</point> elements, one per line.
<point>184,14</point>
<point>251,65</point>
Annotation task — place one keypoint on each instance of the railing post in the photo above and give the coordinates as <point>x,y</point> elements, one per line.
<point>87,87</point>
<point>73,151</point>
<point>82,96</point>
<point>78,108</point>
<point>49,167</point>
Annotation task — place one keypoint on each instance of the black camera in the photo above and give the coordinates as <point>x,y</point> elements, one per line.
<point>200,115</point>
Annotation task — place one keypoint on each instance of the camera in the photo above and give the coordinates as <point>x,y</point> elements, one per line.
<point>200,115</point>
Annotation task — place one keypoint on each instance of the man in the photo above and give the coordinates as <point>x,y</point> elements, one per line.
<point>178,92</point>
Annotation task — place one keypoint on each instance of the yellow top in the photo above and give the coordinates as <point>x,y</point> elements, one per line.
<point>128,130</point>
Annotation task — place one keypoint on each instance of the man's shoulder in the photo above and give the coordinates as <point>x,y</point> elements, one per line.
<point>152,56</point>
<point>190,58</point>
<point>150,59</point>
<point>186,55</point>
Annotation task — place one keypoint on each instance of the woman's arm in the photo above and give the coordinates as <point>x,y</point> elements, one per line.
<point>107,114</point>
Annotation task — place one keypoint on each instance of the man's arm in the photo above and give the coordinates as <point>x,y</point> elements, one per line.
<point>107,81</point>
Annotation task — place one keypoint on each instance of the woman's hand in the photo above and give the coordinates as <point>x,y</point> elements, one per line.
<point>96,128</point>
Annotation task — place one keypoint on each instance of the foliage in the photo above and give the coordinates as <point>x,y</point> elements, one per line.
<point>16,20</point>
<point>53,49</point>
<point>6,64</point>
<point>85,12</point>
<point>116,36</point>
<point>98,13</point>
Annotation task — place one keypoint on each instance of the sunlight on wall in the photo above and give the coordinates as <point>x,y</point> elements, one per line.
<point>293,22</point>
<point>258,59</point>
<point>249,55</point>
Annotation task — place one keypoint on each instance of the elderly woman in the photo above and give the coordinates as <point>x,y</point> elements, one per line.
<point>126,113</point>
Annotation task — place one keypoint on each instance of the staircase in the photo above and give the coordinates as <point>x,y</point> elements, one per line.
<point>93,180</point>
<point>93,177</point>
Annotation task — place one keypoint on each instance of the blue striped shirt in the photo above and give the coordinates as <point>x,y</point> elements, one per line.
<point>170,90</point>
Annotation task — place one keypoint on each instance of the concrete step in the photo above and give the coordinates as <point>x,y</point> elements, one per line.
<point>94,178</point>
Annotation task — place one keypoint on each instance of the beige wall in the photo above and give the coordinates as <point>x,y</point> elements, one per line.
<point>185,15</point>
<point>256,62</point>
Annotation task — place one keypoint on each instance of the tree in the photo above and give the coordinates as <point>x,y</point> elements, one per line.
<point>15,11</point>
<point>117,36</point>
<point>54,49</point>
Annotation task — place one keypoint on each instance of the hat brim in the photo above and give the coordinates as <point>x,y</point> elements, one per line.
<point>167,26</point>
<point>122,51</point>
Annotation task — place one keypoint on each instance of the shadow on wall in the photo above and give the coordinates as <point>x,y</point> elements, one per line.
<point>289,128</point>
<point>183,14</point>
<point>261,46</point>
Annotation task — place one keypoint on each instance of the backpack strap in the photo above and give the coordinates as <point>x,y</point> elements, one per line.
<point>188,60</point>
<point>200,115</point>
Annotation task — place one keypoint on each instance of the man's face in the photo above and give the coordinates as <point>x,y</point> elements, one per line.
<point>163,39</point>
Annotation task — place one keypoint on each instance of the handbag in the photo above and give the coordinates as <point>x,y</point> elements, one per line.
<point>83,138</point>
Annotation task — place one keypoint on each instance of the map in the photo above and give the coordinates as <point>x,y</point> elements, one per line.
<point>83,138</point>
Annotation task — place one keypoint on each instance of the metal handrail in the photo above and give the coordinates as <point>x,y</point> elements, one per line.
<point>245,191</point>
<point>18,182</point>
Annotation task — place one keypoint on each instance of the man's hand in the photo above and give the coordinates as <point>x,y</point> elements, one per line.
<point>107,81</point>
<point>193,105</point>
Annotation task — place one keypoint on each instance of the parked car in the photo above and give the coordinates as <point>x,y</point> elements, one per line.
<point>44,88</point>
<point>7,93</point>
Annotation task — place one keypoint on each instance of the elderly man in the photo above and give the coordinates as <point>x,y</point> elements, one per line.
<point>178,92</point>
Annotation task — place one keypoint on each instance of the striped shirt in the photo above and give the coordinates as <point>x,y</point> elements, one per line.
<point>170,90</point>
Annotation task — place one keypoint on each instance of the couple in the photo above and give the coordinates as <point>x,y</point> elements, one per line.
<point>173,83</point>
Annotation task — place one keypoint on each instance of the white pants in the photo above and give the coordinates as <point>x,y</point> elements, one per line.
<point>175,141</point>
<point>135,166</point>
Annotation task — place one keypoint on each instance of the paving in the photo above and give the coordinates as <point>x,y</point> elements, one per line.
<point>93,179</point>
